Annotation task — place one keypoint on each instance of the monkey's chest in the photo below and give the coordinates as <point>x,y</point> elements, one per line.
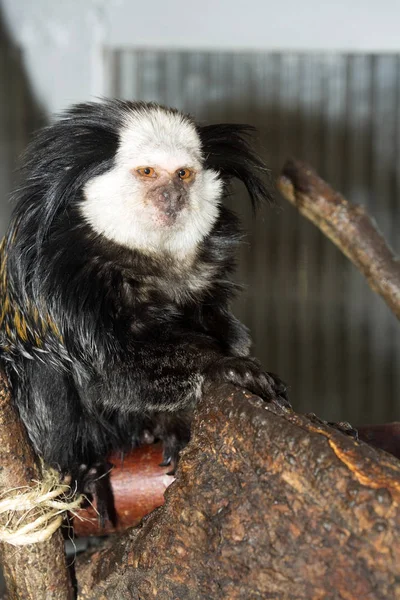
<point>179,286</point>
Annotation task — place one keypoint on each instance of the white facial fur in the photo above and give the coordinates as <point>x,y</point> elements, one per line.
<point>115,204</point>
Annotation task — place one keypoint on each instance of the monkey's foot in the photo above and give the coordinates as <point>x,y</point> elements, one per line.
<point>247,373</point>
<point>172,447</point>
<point>94,480</point>
<point>173,430</point>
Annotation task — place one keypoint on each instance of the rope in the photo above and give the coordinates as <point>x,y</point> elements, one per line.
<point>33,514</point>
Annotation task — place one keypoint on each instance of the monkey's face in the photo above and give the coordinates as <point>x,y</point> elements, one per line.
<point>158,196</point>
<point>167,194</point>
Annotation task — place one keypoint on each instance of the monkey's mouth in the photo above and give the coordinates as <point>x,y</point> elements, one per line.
<point>168,202</point>
<point>167,216</point>
<point>169,205</point>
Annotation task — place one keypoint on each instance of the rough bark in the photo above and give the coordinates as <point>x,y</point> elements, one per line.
<point>347,225</point>
<point>37,571</point>
<point>265,505</point>
<point>139,482</point>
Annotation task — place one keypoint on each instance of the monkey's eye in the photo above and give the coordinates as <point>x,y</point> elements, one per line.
<point>147,172</point>
<point>184,174</point>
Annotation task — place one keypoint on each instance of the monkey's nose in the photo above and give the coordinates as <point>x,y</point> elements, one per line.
<point>169,202</point>
<point>173,198</point>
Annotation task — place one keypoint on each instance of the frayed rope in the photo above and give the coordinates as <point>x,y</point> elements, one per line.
<point>33,513</point>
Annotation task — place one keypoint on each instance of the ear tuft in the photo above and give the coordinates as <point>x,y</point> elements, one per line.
<point>227,150</point>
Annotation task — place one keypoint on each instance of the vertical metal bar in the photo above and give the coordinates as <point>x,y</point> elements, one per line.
<point>359,362</point>
<point>334,401</point>
<point>174,78</point>
<point>383,326</point>
<point>128,75</point>
<point>148,76</point>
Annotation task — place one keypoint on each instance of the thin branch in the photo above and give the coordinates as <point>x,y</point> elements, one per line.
<point>347,225</point>
<point>37,571</point>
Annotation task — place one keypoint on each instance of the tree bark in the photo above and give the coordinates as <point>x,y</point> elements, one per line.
<point>265,505</point>
<point>347,225</point>
<point>37,571</point>
<point>139,482</point>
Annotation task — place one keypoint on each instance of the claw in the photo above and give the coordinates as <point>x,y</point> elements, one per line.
<point>345,427</point>
<point>167,460</point>
<point>95,480</point>
<point>283,403</point>
<point>247,373</point>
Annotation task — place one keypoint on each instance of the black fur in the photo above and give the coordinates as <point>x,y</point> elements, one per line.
<point>101,343</point>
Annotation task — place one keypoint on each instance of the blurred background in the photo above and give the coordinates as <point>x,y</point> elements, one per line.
<point>320,81</point>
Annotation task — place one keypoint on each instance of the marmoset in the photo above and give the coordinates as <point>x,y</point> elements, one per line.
<point>115,280</point>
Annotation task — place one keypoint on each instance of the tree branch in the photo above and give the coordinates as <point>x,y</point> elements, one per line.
<point>347,225</point>
<point>265,504</point>
<point>37,571</point>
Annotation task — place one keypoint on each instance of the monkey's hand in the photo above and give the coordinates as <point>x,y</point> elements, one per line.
<point>248,373</point>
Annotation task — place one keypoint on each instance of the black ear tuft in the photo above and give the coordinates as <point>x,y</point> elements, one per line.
<point>227,150</point>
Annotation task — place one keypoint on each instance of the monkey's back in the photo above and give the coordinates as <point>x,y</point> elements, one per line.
<point>25,331</point>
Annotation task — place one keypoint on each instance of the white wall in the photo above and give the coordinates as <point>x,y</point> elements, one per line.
<point>62,43</point>
<point>354,25</point>
<point>64,40</point>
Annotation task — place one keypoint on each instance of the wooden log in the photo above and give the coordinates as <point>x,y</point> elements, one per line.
<point>37,571</point>
<point>266,504</point>
<point>138,485</point>
<point>347,225</point>
<point>138,482</point>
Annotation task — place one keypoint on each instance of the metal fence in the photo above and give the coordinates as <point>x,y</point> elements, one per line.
<point>313,318</point>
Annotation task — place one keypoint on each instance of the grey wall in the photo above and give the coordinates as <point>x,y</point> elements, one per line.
<point>18,118</point>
